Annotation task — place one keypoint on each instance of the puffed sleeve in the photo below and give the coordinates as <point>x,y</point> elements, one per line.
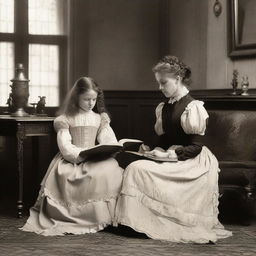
<point>69,151</point>
<point>194,118</point>
<point>105,133</point>
<point>193,122</point>
<point>159,123</point>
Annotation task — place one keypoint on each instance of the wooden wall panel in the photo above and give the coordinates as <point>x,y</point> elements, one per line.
<point>133,112</point>
<point>121,119</point>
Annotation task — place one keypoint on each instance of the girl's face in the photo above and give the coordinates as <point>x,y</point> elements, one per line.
<point>87,100</point>
<point>168,84</point>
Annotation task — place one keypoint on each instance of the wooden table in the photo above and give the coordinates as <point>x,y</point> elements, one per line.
<point>23,127</point>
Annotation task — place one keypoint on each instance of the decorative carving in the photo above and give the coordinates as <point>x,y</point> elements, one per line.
<point>40,108</point>
<point>20,135</point>
<point>234,82</point>
<point>10,104</point>
<point>39,129</point>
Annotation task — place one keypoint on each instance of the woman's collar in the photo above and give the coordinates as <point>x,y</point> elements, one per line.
<point>182,93</point>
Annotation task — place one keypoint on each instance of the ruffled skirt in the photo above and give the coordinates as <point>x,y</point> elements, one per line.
<point>76,198</point>
<point>177,202</point>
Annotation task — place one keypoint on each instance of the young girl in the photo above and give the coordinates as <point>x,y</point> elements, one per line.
<point>78,196</point>
<point>175,201</point>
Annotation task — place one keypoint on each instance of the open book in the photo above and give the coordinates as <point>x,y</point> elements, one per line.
<point>161,159</point>
<point>145,155</point>
<point>106,150</point>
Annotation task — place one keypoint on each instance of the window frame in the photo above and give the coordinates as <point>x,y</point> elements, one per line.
<point>21,39</point>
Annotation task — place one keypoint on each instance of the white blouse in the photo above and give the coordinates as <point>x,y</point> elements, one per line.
<point>193,119</point>
<point>100,122</point>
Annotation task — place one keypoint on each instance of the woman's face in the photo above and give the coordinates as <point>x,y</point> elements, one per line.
<point>168,84</point>
<point>87,100</point>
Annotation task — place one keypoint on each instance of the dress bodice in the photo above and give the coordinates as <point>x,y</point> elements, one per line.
<point>82,131</point>
<point>171,116</point>
<point>83,136</point>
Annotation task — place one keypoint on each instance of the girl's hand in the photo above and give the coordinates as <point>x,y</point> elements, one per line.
<point>143,148</point>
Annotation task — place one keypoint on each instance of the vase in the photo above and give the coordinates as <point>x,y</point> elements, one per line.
<point>245,86</point>
<point>20,92</point>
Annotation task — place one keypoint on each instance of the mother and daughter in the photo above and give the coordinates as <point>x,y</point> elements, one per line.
<point>177,201</point>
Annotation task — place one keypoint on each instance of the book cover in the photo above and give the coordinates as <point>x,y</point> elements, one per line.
<point>106,150</point>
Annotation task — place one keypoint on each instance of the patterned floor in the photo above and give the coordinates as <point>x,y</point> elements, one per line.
<point>114,241</point>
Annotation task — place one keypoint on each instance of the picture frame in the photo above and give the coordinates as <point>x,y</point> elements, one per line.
<point>241,26</point>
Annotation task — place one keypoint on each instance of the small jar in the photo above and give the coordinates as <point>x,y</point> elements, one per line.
<point>245,86</point>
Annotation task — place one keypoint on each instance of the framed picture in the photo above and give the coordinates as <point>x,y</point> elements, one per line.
<point>242,28</point>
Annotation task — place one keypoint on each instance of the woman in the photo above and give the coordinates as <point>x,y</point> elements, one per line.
<point>175,201</point>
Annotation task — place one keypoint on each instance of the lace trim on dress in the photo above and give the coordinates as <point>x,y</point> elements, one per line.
<point>57,230</point>
<point>202,232</point>
<point>173,213</point>
<point>47,193</point>
<point>184,91</point>
<point>61,228</point>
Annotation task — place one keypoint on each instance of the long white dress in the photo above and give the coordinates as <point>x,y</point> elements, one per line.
<point>177,201</point>
<point>77,197</point>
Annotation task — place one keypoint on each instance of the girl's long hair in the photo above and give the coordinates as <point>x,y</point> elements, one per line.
<point>70,105</point>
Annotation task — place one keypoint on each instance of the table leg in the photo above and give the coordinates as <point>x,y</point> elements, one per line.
<point>35,162</point>
<point>20,135</point>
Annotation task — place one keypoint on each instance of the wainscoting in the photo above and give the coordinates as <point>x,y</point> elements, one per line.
<point>133,112</point>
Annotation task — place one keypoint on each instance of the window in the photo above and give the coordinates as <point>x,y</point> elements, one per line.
<point>33,32</point>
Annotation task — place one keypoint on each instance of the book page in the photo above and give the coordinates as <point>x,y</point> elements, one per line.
<point>123,141</point>
<point>131,144</point>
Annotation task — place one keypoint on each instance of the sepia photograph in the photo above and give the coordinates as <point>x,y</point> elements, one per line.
<point>127,127</point>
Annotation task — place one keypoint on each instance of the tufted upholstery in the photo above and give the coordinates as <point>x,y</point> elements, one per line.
<point>231,135</point>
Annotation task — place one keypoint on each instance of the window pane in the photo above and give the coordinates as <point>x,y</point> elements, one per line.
<point>6,70</point>
<point>7,16</point>
<point>46,17</point>
<point>44,73</point>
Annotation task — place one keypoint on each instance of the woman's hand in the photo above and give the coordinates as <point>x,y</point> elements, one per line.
<point>172,153</point>
<point>174,147</point>
<point>157,153</point>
